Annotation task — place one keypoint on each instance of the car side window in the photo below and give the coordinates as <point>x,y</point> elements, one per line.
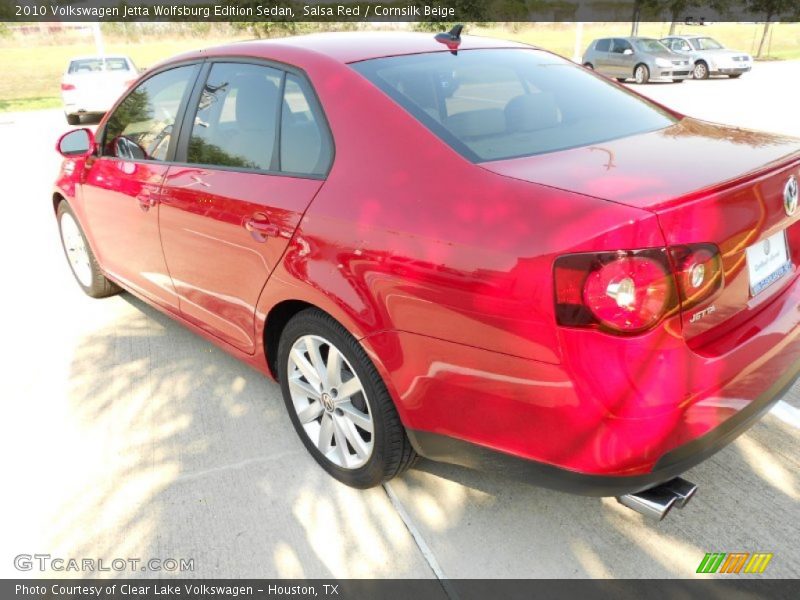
<point>305,146</point>
<point>603,45</point>
<point>620,46</point>
<point>683,45</point>
<point>141,126</point>
<point>236,120</point>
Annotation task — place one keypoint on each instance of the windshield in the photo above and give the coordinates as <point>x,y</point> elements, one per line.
<point>706,43</point>
<point>96,65</point>
<point>498,104</point>
<point>651,46</point>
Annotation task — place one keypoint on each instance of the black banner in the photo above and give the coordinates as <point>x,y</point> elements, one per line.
<point>731,588</point>
<point>690,11</point>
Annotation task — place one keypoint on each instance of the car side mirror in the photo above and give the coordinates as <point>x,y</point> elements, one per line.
<point>627,52</point>
<point>78,143</point>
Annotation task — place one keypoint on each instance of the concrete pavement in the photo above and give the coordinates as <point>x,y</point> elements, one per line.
<point>125,435</point>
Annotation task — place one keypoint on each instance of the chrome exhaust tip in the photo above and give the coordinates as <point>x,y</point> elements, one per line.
<point>656,502</point>
<point>684,490</point>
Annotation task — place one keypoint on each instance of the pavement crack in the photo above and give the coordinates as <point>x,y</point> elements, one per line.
<point>419,540</point>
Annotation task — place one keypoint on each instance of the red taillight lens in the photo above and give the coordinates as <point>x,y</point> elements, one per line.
<point>627,291</point>
<point>65,87</point>
<point>698,272</point>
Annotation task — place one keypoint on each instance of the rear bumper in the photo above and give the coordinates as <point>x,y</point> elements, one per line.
<point>616,415</point>
<point>672,464</point>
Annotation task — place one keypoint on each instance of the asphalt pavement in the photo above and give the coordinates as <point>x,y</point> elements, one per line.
<point>127,436</point>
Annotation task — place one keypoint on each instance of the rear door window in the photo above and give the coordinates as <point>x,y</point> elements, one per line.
<point>305,146</point>
<point>236,120</point>
<point>603,45</point>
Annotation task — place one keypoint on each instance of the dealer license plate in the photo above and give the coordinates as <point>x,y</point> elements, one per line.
<point>767,261</point>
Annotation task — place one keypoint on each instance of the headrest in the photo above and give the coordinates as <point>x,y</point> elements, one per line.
<point>530,112</point>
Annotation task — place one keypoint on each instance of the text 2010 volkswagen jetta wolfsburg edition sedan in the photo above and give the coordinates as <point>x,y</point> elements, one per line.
<point>465,249</point>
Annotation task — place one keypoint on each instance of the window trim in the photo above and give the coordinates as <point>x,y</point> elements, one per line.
<point>181,154</point>
<point>177,125</point>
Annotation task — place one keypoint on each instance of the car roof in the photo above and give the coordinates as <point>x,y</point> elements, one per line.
<point>347,47</point>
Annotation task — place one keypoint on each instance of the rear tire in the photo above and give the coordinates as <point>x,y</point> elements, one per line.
<point>589,66</point>
<point>641,74</point>
<point>622,79</point>
<point>73,119</point>
<point>80,257</point>
<point>338,403</point>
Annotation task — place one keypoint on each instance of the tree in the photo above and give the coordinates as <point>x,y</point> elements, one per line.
<point>771,9</point>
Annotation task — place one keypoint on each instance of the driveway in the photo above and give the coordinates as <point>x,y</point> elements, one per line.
<point>125,435</point>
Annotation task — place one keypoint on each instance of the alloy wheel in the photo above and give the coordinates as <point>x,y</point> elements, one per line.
<point>640,74</point>
<point>75,246</point>
<point>700,71</point>
<point>330,402</point>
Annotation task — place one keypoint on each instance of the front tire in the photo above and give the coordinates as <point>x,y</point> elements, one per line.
<point>700,70</point>
<point>338,403</point>
<point>80,257</point>
<point>641,74</point>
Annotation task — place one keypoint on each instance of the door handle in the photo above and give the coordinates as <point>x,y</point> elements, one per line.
<point>260,227</point>
<point>147,199</point>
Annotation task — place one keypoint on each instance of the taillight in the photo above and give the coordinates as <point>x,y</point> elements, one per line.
<point>698,272</point>
<point>631,291</point>
<point>628,291</point>
<point>65,87</point>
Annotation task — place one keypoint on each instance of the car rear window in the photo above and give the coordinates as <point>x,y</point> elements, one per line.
<point>96,65</point>
<point>499,104</point>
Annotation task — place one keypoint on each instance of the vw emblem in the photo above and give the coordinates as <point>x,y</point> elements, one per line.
<point>766,247</point>
<point>790,196</point>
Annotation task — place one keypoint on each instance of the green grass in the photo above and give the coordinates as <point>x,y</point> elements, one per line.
<point>32,72</point>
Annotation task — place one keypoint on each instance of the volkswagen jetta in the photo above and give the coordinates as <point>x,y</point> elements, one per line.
<point>461,248</point>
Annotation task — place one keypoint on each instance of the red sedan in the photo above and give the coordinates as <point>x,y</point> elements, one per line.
<point>460,248</point>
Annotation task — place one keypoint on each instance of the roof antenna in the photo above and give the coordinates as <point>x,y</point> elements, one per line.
<point>451,39</point>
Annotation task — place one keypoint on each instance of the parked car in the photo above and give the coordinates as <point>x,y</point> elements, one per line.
<point>474,251</point>
<point>91,84</point>
<point>709,56</point>
<point>642,59</point>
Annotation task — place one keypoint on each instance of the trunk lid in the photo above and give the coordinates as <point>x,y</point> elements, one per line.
<point>708,184</point>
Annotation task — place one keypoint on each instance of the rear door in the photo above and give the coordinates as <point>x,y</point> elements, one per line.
<point>254,151</point>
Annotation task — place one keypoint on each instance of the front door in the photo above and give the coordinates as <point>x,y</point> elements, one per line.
<point>121,187</point>
<point>255,152</point>
<point>621,64</point>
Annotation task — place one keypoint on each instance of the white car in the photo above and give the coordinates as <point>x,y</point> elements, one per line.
<point>91,84</point>
<point>709,56</point>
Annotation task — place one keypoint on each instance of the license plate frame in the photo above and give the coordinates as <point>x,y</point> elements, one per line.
<point>768,261</point>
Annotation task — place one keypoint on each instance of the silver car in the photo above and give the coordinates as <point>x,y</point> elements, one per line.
<point>709,56</point>
<point>639,58</point>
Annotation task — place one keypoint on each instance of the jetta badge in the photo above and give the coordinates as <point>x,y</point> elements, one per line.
<point>790,196</point>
